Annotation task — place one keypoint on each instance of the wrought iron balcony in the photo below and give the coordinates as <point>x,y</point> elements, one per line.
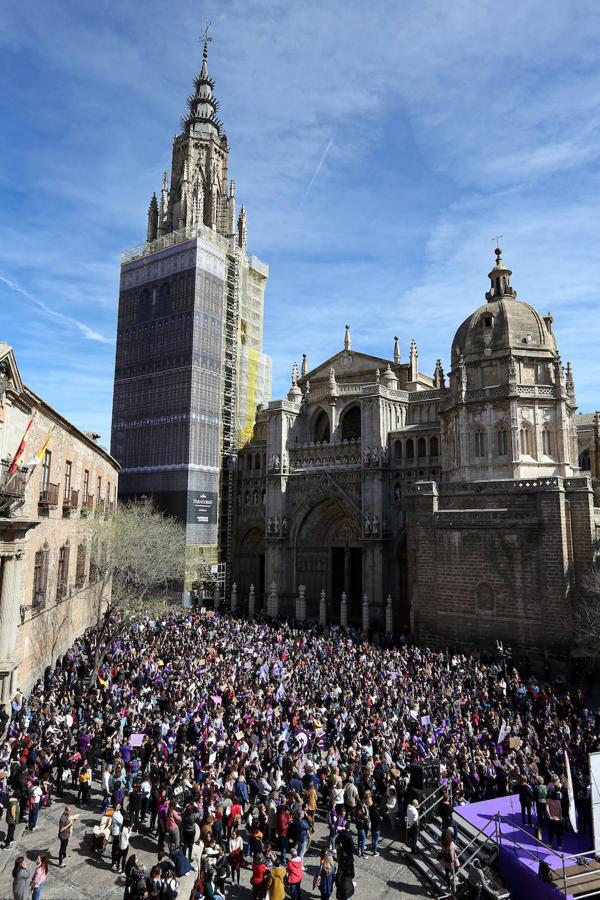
<point>71,500</point>
<point>12,488</point>
<point>49,495</point>
<point>87,505</point>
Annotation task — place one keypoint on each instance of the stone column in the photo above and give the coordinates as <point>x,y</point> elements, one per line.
<point>344,611</point>
<point>234,597</point>
<point>365,614</point>
<point>346,569</point>
<point>251,602</point>
<point>9,608</point>
<point>273,602</point>
<point>389,615</point>
<point>301,604</point>
<point>216,597</point>
<point>323,609</point>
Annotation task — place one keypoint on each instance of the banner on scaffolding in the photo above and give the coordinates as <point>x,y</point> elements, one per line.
<point>595,791</point>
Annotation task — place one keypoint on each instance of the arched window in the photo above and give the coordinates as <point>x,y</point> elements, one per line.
<point>525,440</point>
<point>502,441</point>
<point>257,461</point>
<point>480,444</point>
<point>585,461</point>
<point>421,448</point>
<point>398,449</point>
<point>547,442</point>
<point>320,429</point>
<point>248,463</point>
<point>434,448</point>
<point>410,449</point>
<point>351,424</point>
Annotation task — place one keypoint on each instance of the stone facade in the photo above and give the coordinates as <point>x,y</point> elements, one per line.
<point>464,502</point>
<point>63,475</point>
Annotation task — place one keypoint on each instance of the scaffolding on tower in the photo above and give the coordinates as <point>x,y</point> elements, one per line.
<point>229,415</point>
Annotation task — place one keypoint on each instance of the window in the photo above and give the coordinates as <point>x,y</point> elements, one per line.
<point>63,571</point>
<point>98,488</point>
<point>94,571</point>
<point>547,442</point>
<point>86,485</point>
<point>525,440</point>
<point>434,448</point>
<point>46,470</point>
<point>410,449</point>
<point>479,444</point>
<point>40,576</point>
<point>68,467</point>
<point>487,321</point>
<point>80,566</point>
<point>351,424</point>
<point>421,448</point>
<point>502,441</point>
<point>320,429</point>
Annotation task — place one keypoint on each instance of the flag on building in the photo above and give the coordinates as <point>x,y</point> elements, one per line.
<point>40,455</point>
<point>570,794</point>
<point>20,449</point>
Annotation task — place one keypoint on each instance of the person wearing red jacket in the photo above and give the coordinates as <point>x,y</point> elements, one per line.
<point>295,874</point>
<point>260,877</point>
<point>284,818</point>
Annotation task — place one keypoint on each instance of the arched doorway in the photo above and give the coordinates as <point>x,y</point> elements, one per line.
<point>329,557</point>
<point>251,562</point>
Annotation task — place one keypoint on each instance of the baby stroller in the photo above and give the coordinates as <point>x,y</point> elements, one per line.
<point>100,834</point>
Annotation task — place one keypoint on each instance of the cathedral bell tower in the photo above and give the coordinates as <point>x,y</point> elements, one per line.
<point>200,193</point>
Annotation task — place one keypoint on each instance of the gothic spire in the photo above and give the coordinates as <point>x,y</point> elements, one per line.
<point>304,369</point>
<point>202,117</point>
<point>396,350</point>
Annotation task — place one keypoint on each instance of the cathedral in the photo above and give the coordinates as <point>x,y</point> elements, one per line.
<point>459,508</point>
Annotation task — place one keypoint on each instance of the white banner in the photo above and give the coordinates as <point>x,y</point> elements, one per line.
<point>595,789</point>
<point>570,794</point>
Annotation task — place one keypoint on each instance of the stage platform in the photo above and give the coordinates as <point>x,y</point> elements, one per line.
<point>521,853</point>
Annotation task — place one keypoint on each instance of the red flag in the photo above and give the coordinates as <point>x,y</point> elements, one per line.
<point>20,449</point>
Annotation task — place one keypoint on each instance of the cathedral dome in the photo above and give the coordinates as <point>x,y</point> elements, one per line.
<point>503,323</point>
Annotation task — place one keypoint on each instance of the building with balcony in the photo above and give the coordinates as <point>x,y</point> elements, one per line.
<point>461,508</point>
<point>51,475</point>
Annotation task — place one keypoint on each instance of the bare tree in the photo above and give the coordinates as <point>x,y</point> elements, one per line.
<point>587,619</point>
<point>135,555</point>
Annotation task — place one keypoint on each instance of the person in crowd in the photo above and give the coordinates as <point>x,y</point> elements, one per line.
<point>20,880</point>
<point>65,829</point>
<point>40,874</point>
<point>554,817</point>
<point>448,857</point>
<point>277,880</point>
<point>295,874</point>
<point>412,824</point>
<point>324,880</point>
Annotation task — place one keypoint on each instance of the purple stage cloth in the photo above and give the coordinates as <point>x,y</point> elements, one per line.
<point>520,853</point>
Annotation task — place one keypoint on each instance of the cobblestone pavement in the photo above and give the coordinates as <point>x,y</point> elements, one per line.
<point>87,876</point>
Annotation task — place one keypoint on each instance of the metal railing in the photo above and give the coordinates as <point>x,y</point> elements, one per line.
<point>71,500</point>
<point>12,488</point>
<point>574,858</point>
<point>49,494</point>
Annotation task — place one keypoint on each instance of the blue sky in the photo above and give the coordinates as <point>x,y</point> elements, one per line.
<point>444,124</point>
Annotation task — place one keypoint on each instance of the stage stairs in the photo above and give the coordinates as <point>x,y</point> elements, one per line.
<point>582,879</point>
<point>470,843</point>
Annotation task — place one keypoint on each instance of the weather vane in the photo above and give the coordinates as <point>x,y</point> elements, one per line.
<point>204,36</point>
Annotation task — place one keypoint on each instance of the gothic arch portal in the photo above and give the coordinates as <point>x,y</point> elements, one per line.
<point>328,555</point>
<point>251,562</point>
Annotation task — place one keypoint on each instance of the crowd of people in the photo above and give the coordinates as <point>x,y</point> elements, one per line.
<point>225,739</point>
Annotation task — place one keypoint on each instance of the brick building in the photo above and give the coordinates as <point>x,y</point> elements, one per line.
<point>379,496</point>
<point>47,569</point>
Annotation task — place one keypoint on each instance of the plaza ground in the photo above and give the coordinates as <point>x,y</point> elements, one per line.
<point>87,877</point>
